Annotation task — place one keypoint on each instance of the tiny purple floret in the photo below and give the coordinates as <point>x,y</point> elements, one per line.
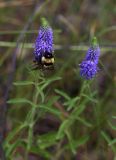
<point>93,54</point>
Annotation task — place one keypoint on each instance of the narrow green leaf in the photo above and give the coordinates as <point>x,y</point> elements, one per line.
<point>106,137</point>
<point>12,147</point>
<point>71,103</point>
<point>62,94</point>
<point>48,81</point>
<point>82,140</point>
<point>23,83</point>
<point>109,141</point>
<point>112,142</point>
<point>51,110</point>
<point>38,151</point>
<point>52,101</point>
<point>19,100</point>
<point>62,129</point>
<point>112,126</point>
<point>71,144</point>
<point>14,132</point>
<point>77,111</point>
<point>90,98</point>
<point>46,140</point>
<point>82,120</point>
<point>78,142</point>
<point>41,93</point>
<point>114,117</point>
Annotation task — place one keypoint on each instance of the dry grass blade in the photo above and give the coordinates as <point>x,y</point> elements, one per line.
<point>16,3</point>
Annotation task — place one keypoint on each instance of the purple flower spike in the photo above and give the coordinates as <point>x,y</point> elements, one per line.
<point>88,69</point>
<point>44,41</point>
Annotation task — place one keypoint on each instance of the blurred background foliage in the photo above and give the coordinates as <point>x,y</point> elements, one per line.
<point>74,119</point>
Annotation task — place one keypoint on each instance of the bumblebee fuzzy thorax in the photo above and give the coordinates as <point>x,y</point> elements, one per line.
<point>45,60</point>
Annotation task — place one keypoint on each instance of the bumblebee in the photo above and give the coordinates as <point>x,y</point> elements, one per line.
<point>46,61</point>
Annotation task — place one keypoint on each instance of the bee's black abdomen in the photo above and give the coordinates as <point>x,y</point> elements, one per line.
<point>48,64</point>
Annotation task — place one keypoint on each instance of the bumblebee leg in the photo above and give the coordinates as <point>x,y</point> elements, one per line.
<point>34,67</point>
<point>34,61</point>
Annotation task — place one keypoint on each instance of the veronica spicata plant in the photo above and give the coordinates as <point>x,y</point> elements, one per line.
<point>88,67</point>
<point>43,53</point>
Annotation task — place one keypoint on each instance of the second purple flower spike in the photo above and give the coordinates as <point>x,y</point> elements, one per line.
<point>88,67</point>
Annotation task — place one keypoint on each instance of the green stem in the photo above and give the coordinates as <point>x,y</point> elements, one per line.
<point>31,120</point>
